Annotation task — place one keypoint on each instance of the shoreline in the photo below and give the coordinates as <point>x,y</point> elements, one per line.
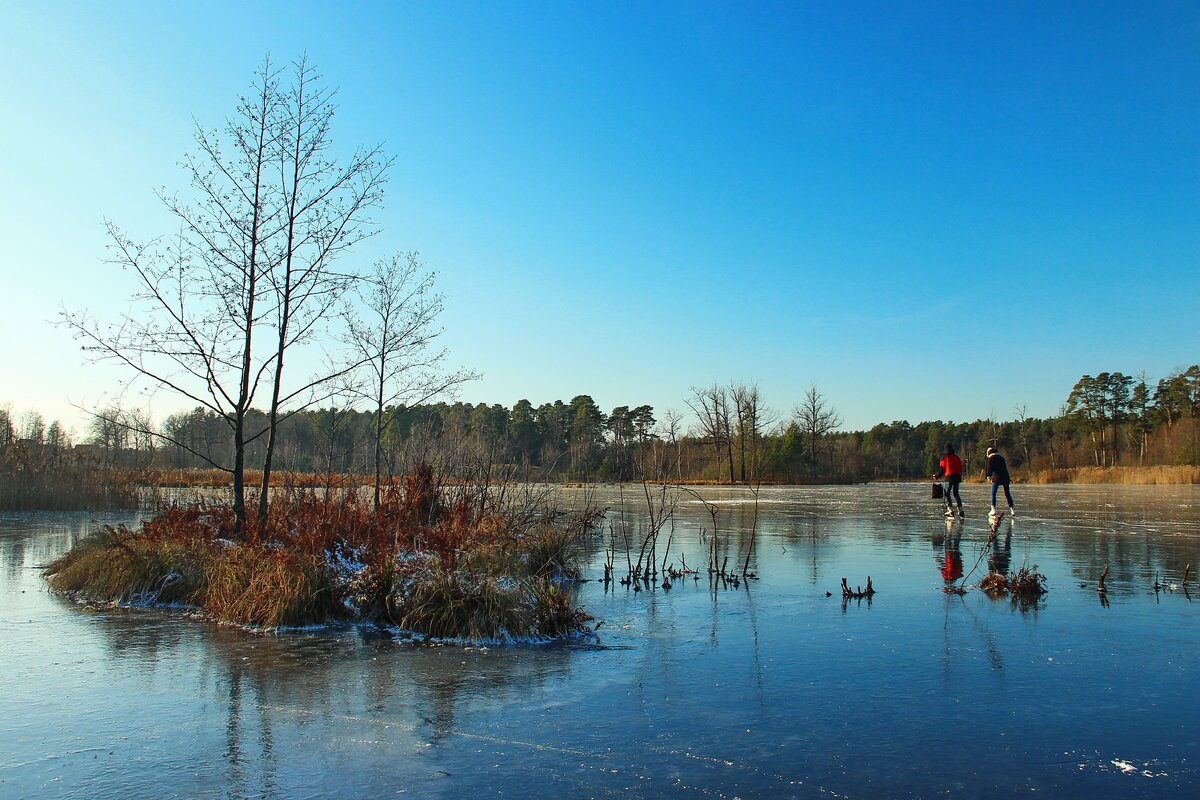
<point>1173,475</point>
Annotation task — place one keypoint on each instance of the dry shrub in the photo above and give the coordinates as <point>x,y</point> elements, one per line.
<point>266,587</point>
<point>433,566</point>
<point>553,614</point>
<point>421,494</point>
<point>113,565</point>
<point>1025,585</point>
<point>995,584</point>
<point>456,605</point>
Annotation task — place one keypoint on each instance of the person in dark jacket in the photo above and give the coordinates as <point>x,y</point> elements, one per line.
<point>951,469</point>
<point>997,471</point>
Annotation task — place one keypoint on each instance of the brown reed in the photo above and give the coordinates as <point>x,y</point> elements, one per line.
<point>1170,475</point>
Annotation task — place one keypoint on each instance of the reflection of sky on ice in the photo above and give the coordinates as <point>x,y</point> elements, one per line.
<point>774,689</point>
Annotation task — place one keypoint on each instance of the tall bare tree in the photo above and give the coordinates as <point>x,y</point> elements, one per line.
<point>323,208</point>
<point>711,405</point>
<point>670,428</point>
<point>1021,416</point>
<point>394,338</point>
<point>33,427</point>
<point>267,212</point>
<point>816,419</point>
<point>752,419</point>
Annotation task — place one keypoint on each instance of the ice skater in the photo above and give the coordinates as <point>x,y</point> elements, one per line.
<point>951,468</point>
<point>997,471</point>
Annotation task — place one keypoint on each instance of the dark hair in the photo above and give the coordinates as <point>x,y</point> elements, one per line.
<point>949,449</point>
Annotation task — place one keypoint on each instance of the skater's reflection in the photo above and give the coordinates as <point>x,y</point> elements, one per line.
<point>950,560</point>
<point>1000,553</point>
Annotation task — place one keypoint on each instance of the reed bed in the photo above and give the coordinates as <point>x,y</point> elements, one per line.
<point>434,562</point>
<point>39,482</point>
<point>1169,475</point>
<point>196,478</point>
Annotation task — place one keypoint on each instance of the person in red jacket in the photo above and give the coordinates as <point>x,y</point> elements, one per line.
<point>951,468</point>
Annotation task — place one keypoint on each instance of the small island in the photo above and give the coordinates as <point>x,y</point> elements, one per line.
<point>452,562</point>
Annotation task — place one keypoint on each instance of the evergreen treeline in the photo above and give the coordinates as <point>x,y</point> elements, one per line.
<point>1107,420</point>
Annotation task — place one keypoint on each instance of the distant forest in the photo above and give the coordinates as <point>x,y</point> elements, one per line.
<point>730,436</point>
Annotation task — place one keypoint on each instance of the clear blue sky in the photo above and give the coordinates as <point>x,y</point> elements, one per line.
<point>929,210</point>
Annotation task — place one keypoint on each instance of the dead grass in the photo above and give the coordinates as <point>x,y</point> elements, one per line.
<point>1137,476</point>
<point>35,478</point>
<point>553,614</point>
<point>455,605</point>
<point>1024,586</point>
<point>196,478</point>
<point>462,605</point>
<point>114,565</point>
<point>544,551</point>
<point>996,583</point>
<point>268,588</point>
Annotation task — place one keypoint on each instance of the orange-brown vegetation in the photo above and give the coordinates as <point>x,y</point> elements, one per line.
<point>196,478</point>
<point>36,476</point>
<point>1024,586</point>
<point>1156,475</point>
<point>433,560</point>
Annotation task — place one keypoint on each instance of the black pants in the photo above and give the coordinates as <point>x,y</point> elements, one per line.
<point>952,483</point>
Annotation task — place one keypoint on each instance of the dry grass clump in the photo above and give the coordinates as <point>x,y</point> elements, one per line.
<point>996,583</point>
<point>450,567</point>
<point>546,550</point>
<point>266,587</point>
<point>461,605</point>
<point>114,565</point>
<point>1025,585</point>
<point>457,605</point>
<point>553,614</point>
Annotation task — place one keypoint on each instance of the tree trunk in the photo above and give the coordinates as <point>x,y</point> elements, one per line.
<point>239,473</point>
<point>379,425</point>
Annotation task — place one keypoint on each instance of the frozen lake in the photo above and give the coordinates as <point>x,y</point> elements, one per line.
<point>769,690</point>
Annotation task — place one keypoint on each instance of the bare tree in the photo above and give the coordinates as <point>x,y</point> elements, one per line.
<point>752,419</point>
<point>395,343</point>
<point>267,212</point>
<point>322,210</point>
<point>126,436</point>
<point>33,427</point>
<point>816,419</point>
<point>711,407</point>
<point>1021,415</point>
<point>740,394</point>
<point>8,433</point>
<point>671,427</point>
